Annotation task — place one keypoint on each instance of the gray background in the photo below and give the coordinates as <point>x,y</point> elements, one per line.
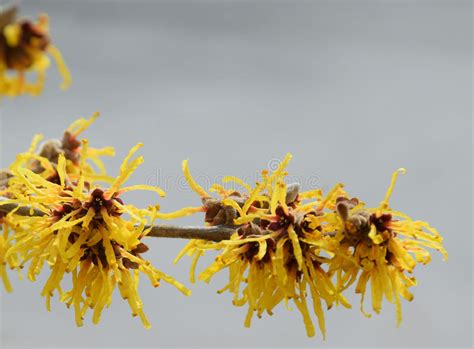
<point>353,89</point>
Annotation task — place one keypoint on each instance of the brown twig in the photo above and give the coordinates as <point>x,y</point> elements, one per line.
<point>21,211</point>
<point>217,233</point>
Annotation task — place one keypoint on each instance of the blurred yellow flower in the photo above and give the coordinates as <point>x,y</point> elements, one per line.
<point>24,48</point>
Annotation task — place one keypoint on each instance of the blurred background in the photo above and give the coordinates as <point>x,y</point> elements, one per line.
<point>353,89</point>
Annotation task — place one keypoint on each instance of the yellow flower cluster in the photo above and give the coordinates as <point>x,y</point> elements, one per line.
<point>306,248</point>
<point>24,48</point>
<point>79,228</point>
<point>289,245</point>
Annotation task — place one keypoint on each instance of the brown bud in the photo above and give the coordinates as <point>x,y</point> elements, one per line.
<point>127,263</point>
<point>70,142</point>
<point>5,175</point>
<point>351,203</point>
<point>116,249</point>
<point>250,229</point>
<point>70,145</point>
<point>217,213</point>
<point>343,210</point>
<point>141,248</point>
<point>344,205</point>
<point>51,150</point>
<point>292,192</point>
<point>359,222</point>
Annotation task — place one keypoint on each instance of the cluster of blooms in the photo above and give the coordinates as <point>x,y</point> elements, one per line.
<point>288,245</point>
<point>78,227</point>
<point>24,48</point>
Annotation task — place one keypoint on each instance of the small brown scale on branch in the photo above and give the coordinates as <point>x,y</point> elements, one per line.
<point>219,214</point>
<point>97,202</point>
<point>5,175</point>
<point>216,213</point>
<point>69,146</point>
<point>358,224</point>
<point>50,149</point>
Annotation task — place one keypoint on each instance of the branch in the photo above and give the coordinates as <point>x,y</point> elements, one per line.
<point>216,233</point>
<point>21,211</point>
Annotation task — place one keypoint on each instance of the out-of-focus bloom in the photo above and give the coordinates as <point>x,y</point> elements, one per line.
<point>381,246</point>
<point>25,47</point>
<point>87,232</point>
<point>278,250</point>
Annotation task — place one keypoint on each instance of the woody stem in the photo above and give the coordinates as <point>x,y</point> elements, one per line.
<point>216,233</point>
